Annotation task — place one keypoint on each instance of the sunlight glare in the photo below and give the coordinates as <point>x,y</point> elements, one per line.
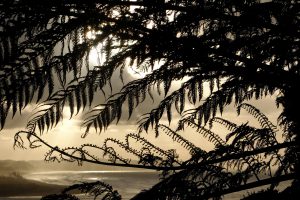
<point>95,57</point>
<point>136,72</point>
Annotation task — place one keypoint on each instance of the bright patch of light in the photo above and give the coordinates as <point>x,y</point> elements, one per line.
<point>91,35</point>
<point>67,123</point>
<point>95,57</point>
<point>137,72</point>
<point>134,72</point>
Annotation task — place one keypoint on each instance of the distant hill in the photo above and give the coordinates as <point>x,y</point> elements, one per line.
<point>12,182</point>
<point>9,166</point>
<point>16,185</point>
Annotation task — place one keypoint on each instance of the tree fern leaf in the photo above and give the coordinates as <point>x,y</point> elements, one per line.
<point>229,125</point>
<point>176,137</point>
<point>90,93</point>
<point>3,115</point>
<point>95,125</point>
<point>158,87</point>
<point>78,99</point>
<point>211,85</point>
<point>14,104</point>
<point>130,100</point>
<point>192,93</point>
<point>207,133</point>
<point>51,117</point>
<point>39,124</point>
<point>167,84</point>
<point>47,119</point>
<point>57,114</point>
<point>262,119</point>
<point>87,129</point>
<point>118,112</point>
<point>71,104</point>
<point>150,93</point>
<point>28,94</point>
<point>169,113</point>
<point>20,98</point>
<point>41,87</point>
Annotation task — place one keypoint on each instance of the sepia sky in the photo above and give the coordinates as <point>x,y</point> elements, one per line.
<point>68,132</point>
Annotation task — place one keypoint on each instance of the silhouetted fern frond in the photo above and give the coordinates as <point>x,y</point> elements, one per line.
<point>212,137</point>
<point>233,50</point>
<point>229,125</point>
<point>191,87</point>
<point>96,189</point>
<point>177,138</point>
<point>217,100</point>
<point>124,146</point>
<point>262,119</point>
<point>146,144</point>
<point>48,118</point>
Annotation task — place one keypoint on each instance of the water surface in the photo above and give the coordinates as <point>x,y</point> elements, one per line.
<point>127,183</point>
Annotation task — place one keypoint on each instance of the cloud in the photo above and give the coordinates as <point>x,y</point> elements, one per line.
<point>68,133</point>
<point>19,120</point>
<point>267,105</point>
<point>5,138</point>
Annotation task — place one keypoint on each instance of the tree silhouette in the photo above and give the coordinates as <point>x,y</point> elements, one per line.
<point>248,157</point>
<point>241,49</point>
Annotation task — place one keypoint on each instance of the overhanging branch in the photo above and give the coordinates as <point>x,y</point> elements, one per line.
<point>181,167</point>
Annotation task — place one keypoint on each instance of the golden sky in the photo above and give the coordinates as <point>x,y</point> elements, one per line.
<point>68,132</point>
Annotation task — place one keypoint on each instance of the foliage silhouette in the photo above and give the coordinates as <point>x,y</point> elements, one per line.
<point>240,49</point>
<point>250,157</point>
<point>95,189</point>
